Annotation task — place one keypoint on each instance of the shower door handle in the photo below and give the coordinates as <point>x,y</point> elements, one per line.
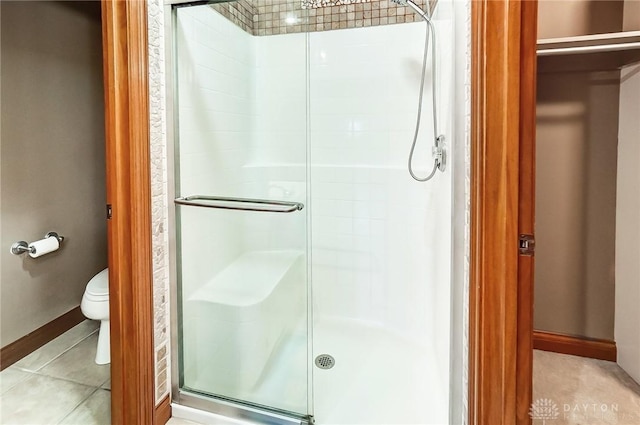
<point>240,204</point>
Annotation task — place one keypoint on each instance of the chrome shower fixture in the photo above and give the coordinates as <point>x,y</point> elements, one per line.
<point>438,152</point>
<point>426,15</point>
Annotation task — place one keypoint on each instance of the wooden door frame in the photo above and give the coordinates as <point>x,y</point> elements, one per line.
<point>503,79</point>
<point>503,125</point>
<point>126,75</point>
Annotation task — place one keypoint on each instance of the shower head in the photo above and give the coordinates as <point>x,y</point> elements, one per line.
<point>426,15</point>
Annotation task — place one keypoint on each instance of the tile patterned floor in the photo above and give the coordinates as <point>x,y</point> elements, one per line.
<point>58,383</point>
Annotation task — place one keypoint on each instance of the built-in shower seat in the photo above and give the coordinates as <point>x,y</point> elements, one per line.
<point>235,321</point>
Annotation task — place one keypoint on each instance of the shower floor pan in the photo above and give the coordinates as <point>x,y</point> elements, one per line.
<point>380,377</point>
<point>233,323</point>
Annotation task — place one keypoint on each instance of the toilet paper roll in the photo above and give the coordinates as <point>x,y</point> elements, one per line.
<point>43,246</point>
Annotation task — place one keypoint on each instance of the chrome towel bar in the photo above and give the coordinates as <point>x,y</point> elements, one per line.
<point>240,204</point>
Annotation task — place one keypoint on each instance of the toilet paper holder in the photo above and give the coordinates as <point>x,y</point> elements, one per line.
<point>22,247</point>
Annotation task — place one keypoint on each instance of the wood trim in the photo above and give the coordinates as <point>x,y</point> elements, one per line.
<point>162,413</point>
<point>500,52</point>
<point>125,49</point>
<point>36,339</point>
<point>526,209</point>
<point>602,349</point>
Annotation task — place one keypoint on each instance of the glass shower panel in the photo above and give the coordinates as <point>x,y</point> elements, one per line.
<point>241,210</point>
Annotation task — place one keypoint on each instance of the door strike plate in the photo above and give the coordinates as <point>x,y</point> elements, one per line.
<point>527,244</point>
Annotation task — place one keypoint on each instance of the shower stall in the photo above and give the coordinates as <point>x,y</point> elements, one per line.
<point>312,272</point>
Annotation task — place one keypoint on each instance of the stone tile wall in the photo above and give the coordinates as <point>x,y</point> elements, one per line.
<point>159,197</point>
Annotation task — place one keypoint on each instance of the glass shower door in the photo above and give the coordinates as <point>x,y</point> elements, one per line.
<point>240,213</point>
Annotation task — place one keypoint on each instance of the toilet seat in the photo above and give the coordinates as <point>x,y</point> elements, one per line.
<point>96,298</point>
<point>99,284</point>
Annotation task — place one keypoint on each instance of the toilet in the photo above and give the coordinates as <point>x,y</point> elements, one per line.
<point>95,306</point>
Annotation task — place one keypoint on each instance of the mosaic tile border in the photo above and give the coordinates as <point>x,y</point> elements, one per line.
<point>240,12</point>
<point>273,17</point>
<point>358,15</point>
<point>314,4</point>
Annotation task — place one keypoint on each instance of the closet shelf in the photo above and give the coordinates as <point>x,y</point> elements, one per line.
<point>596,43</point>
<point>595,52</point>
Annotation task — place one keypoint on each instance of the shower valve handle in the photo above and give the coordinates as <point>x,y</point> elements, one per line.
<point>439,154</point>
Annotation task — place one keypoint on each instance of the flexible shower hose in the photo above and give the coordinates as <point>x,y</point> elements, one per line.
<point>429,30</point>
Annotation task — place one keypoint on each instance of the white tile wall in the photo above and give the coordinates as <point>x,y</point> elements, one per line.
<point>380,239</point>
<point>276,165</point>
<point>216,99</point>
<point>242,134</point>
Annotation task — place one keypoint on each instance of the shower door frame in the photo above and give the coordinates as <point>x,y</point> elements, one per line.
<point>497,388</point>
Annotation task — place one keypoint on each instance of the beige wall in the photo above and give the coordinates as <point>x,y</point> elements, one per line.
<point>575,202</point>
<point>52,158</point>
<point>566,18</point>
<point>631,15</point>
<point>627,329</point>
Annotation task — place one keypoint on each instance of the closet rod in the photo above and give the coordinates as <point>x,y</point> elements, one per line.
<point>589,49</point>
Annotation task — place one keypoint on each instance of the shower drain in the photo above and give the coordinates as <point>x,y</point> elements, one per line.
<point>325,361</point>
